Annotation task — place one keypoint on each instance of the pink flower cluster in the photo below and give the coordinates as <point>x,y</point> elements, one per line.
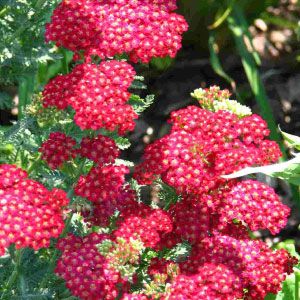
<point>85,270</point>
<point>57,149</point>
<point>139,221</point>
<point>252,264</point>
<point>101,149</point>
<point>104,187</point>
<point>144,29</point>
<point>98,94</point>
<point>29,213</point>
<point>256,204</point>
<point>214,215</point>
<point>203,146</point>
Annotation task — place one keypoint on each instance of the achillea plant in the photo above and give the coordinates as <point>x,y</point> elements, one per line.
<point>195,243</point>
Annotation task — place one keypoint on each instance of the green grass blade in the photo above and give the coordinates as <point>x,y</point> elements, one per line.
<point>25,92</point>
<point>220,20</point>
<point>275,20</point>
<point>65,61</point>
<point>216,64</point>
<point>240,16</point>
<point>253,76</point>
<point>258,89</point>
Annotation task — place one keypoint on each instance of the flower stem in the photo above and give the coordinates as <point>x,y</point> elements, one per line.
<point>34,164</point>
<point>4,11</point>
<point>15,256</point>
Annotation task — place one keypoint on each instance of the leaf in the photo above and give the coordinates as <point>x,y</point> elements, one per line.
<point>162,63</point>
<point>167,194</point>
<point>138,85</point>
<point>281,170</point>
<point>292,139</point>
<point>126,163</point>
<point>216,64</point>
<point>121,142</point>
<point>138,104</point>
<point>179,252</point>
<point>137,187</point>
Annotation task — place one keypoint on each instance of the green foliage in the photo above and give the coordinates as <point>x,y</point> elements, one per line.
<point>293,140</point>
<point>138,84</point>
<point>178,253</point>
<point>22,134</point>
<point>22,45</point>
<point>31,268</point>
<point>137,187</point>
<point>162,63</point>
<point>167,194</point>
<point>5,101</point>
<point>139,104</point>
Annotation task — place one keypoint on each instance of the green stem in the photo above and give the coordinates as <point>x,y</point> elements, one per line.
<point>223,17</point>
<point>65,65</point>
<point>297,280</point>
<point>4,11</point>
<point>34,164</point>
<point>16,259</point>
<point>25,92</point>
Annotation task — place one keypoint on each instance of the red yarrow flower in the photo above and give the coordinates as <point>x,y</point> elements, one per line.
<point>101,149</point>
<point>144,29</point>
<point>98,94</point>
<point>57,149</point>
<point>85,270</point>
<point>256,204</point>
<point>29,213</point>
<point>202,147</point>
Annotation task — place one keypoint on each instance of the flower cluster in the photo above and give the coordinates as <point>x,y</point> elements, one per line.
<point>202,147</point>
<point>141,222</point>
<point>85,270</point>
<point>45,116</point>
<point>101,149</point>
<point>253,264</point>
<point>247,198</point>
<point>144,29</point>
<point>212,282</point>
<point>98,94</point>
<point>104,186</point>
<point>214,214</point>
<point>214,99</point>
<point>30,214</point>
<point>57,149</point>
